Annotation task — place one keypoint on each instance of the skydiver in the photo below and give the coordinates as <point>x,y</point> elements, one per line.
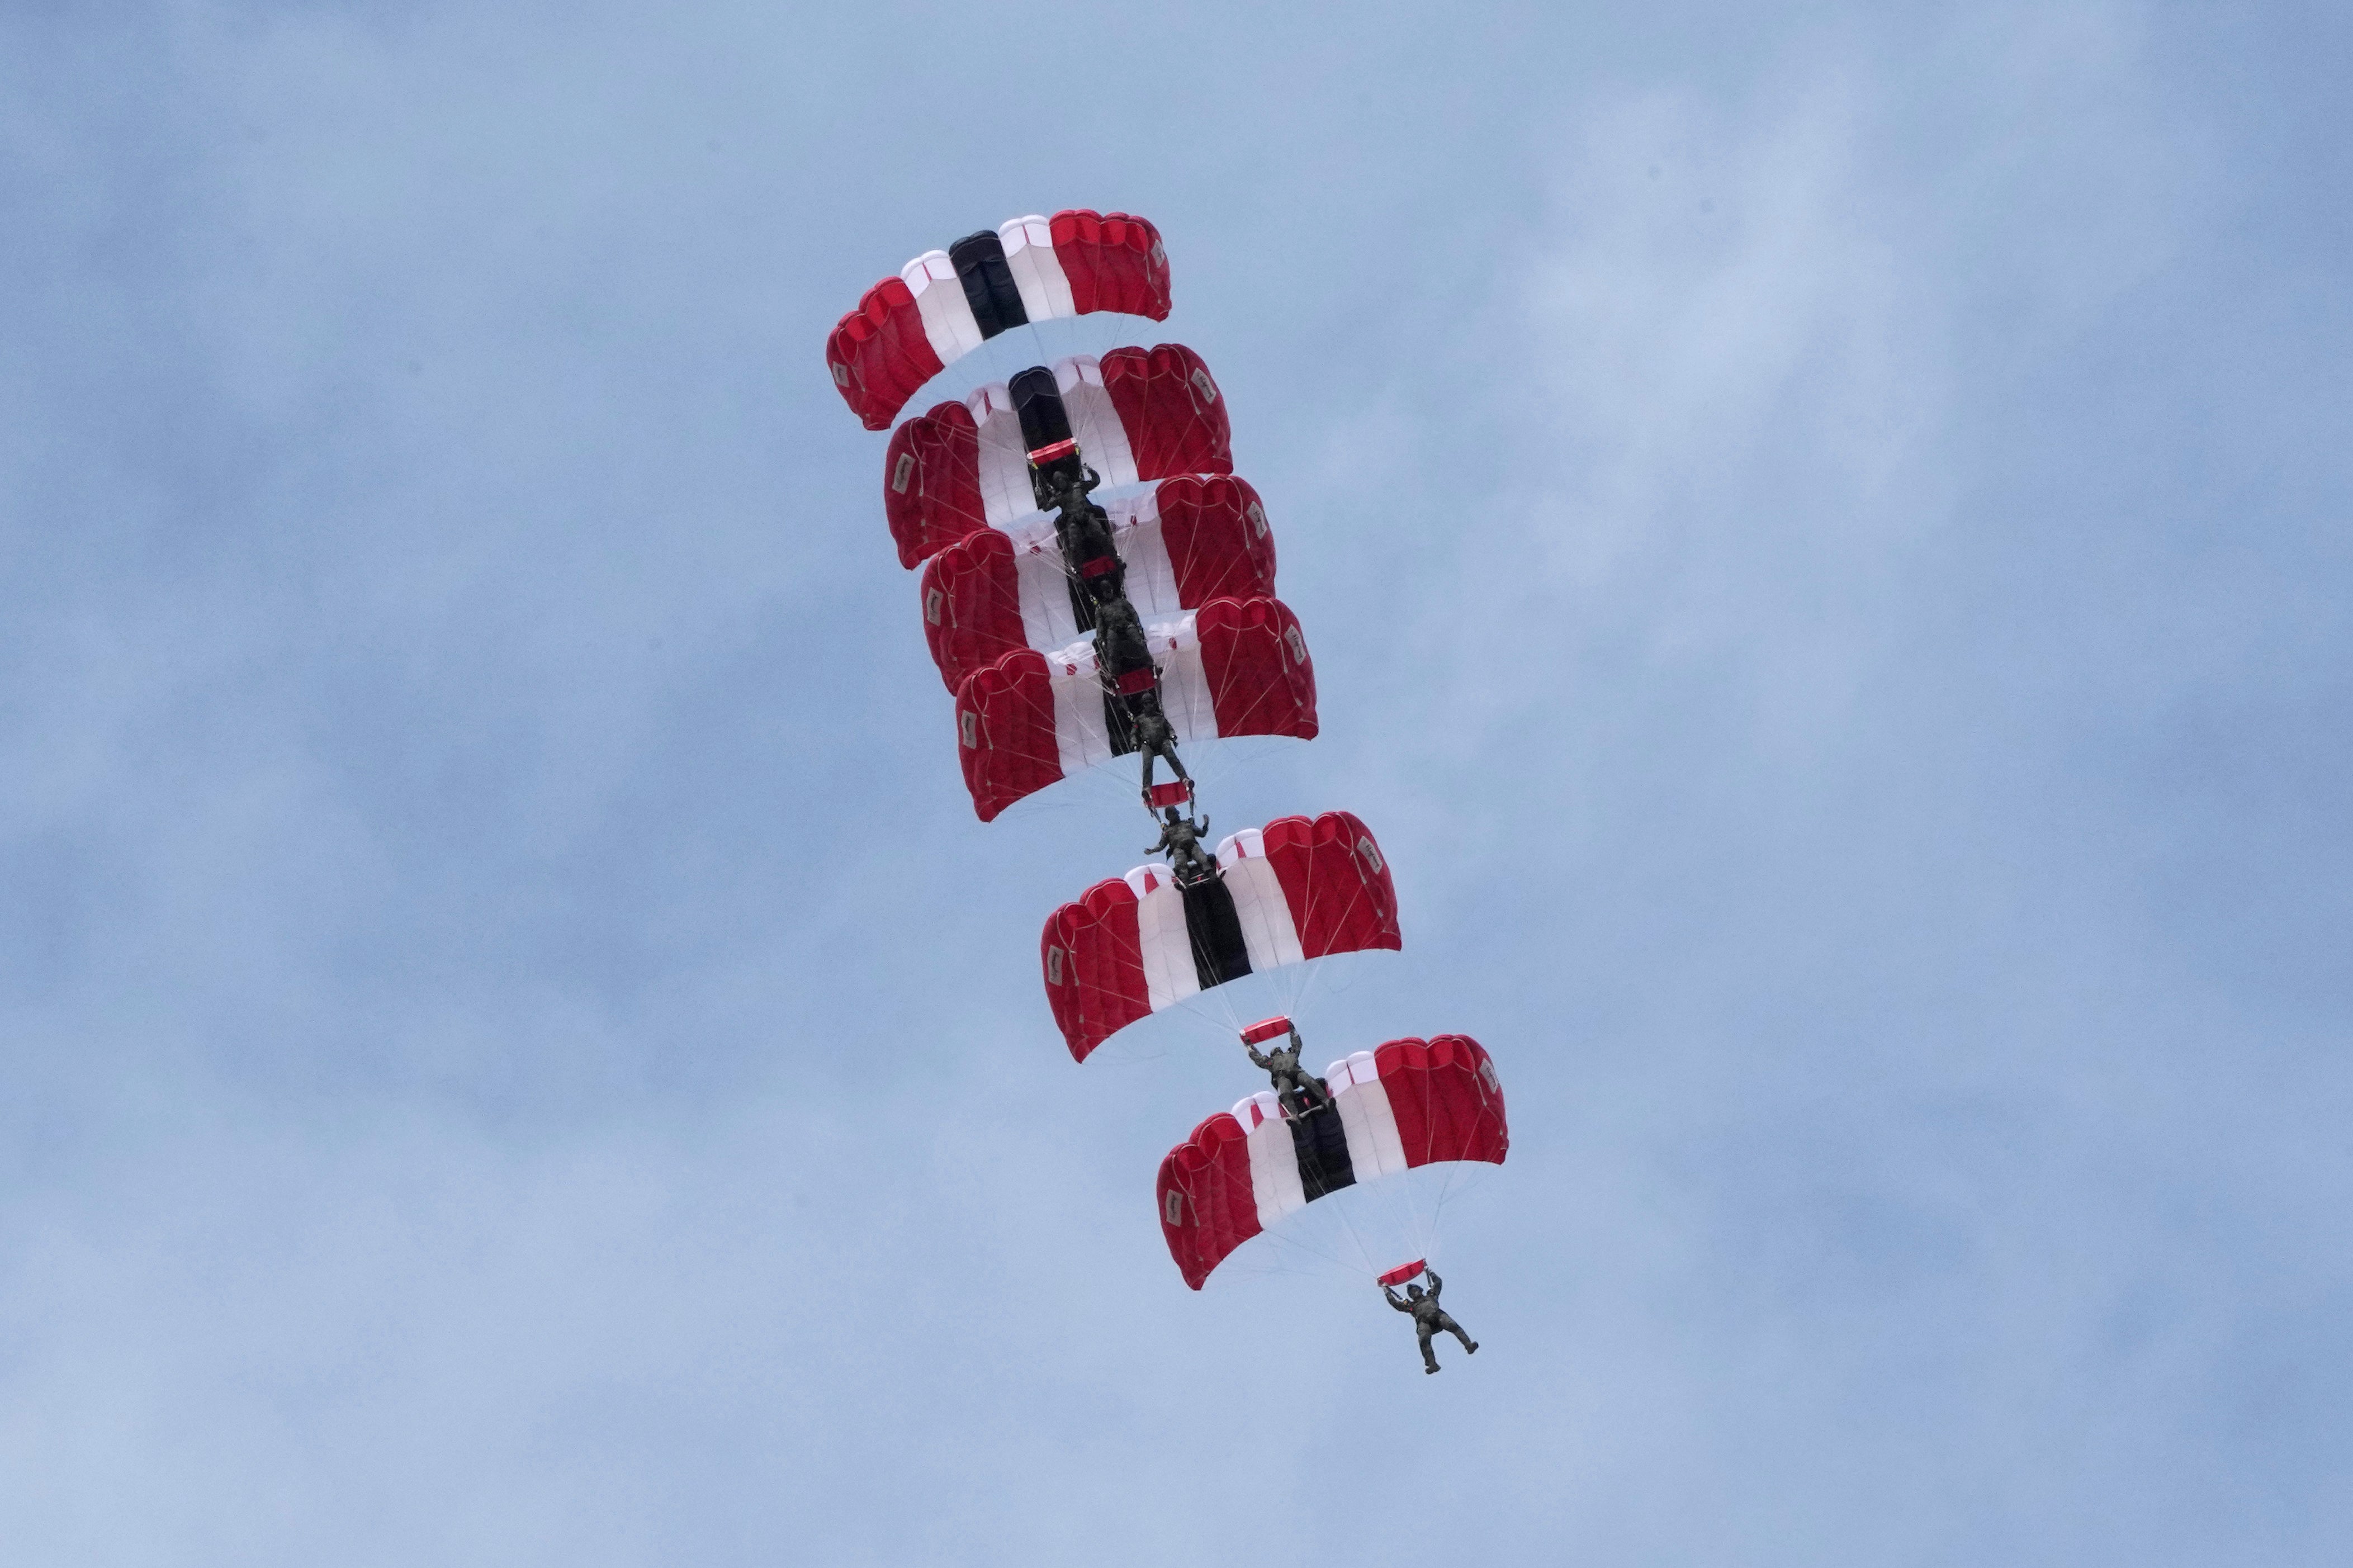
<point>1083,529</point>
<point>1429,1318</point>
<point>1120,647</point>
<point>1181,837</point>
<point>1073,486</point>
<point>1294,1085</point>
<point>1155,737</point>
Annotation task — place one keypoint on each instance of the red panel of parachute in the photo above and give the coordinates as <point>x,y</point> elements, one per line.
<point>1208,1206</point>
<point>1215,529</point>
<point>931,482</point>
<point>1333,854</point>
<point>1172,410</point>
<point>1005,732</point>
<point>972,605</point>
<point>1447,1102</point>
<point>1093,959</point>
<point>1445,1097</point>
<point>1262,681</point>
<point>1253,655</point>
<point>1114,262</point>
<point>878,354</point>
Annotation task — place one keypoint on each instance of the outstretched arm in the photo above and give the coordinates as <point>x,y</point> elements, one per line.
<point>1436,1284</point>
<point>1392,1295</point>
<point>1264,1066</point>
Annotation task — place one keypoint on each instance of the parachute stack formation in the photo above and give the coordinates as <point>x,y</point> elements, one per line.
<point>1097,583</point>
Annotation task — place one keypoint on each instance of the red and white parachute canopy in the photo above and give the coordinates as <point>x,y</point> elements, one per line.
<point>1136,414</point>
<point>1183,541</point>
<point>1298,888</point>
<point>1230,669</point>
<point>1405,1105</point>
<point>946,303</point>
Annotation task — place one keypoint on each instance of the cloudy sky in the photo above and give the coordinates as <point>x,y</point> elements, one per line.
<point>1823,530</point>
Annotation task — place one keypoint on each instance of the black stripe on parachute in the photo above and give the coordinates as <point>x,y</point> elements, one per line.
<point>1321,1144</point>
<point>1220,954</point>
<point>989,286</point>
<point>1038,401</point>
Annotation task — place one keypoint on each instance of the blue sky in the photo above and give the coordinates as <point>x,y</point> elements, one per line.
<point>1822,529</point>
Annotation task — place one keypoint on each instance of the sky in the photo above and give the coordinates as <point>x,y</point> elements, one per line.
<point>1822,529</point>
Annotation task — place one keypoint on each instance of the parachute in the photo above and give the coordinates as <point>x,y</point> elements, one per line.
<point>1136,414</point>
<point>1233,668</point>
<point>946,303</point>
<point>1184,541</point>
<point>1098,582</point>
<point>1404,1105</point>
<point>1297,889</point>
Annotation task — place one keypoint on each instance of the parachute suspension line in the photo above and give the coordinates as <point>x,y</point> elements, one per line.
<point>1356,1242</point>
<point>1293,1239</point>
<point>1456,1175</point>
<point>1455,1170</point>
<point>1216,1006</point>
<point>1457,1178</point>
<point>1424,1225</point>
<point>1299,985</point>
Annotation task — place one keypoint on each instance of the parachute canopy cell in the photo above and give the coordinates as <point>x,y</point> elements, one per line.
<point>945,303</point>
<point>1403,1105</point>
<point>1298,888</point>
<point>1232,668</point>
<point>1134,415</point>
<point>1184,542</point>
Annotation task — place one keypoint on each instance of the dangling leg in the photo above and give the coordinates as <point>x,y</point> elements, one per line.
<point>1429,1356</point>
<point>1470,1345</point>
<point>1301,1094</point>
